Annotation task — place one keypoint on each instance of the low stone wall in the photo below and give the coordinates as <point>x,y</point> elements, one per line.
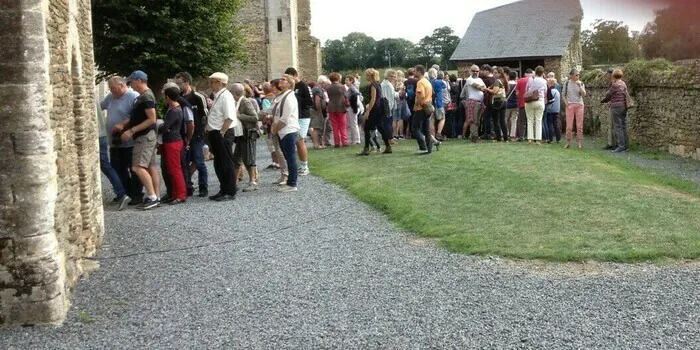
<point>667,112</point>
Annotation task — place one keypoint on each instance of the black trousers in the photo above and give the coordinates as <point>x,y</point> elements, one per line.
<point>120,158</point>
<point>222,149</point>
<point>421,131</point>
<point>375,121</point>
<point>498,117</point>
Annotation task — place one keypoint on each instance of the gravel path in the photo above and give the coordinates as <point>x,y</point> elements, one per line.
<point>318,269</point>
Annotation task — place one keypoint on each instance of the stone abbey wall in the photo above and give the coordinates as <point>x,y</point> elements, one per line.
<point>667,116</point>
<point>50,190</point>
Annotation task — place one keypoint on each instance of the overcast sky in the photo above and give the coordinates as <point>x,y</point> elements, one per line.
<point>333,19</point>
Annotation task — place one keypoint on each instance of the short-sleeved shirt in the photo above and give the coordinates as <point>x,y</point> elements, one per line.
<point>118,110</point>
<point>172,125</point>
<point>318,91</point>
<point>474,93</point>
<point>572,92</point>
<point>489,82</point>
<point>512,97</point>
<point>521,87</point>
<point>439,89</point>
<point>199,108</point>
<point>426,90</point>
<point>336,98</point>
<point>144,102</point>
<point>539,84</point>
<point>303,94</point>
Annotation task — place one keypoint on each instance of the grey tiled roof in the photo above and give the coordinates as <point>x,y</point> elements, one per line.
<point>528,28</point>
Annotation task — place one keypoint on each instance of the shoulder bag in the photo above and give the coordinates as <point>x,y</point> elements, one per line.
<point>532,95</point>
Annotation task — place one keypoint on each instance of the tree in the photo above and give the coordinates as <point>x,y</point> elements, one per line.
<point>398,50</point>
<point>165,37</point>
<point>360,49</point>
<point>608,42</point>
<point>334,56</point>
<point>674,33</point>
<point>425,51</point>
<point>444,43</point>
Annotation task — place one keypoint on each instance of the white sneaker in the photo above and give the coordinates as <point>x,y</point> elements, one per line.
<point>285,189</point>
<point>304,172</point>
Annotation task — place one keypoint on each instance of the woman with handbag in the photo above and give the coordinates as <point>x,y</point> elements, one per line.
<point>244,151</point>
<point>498,105</point>
<point>374,113</point>
<point>535,93</point>
<point>619,99</point>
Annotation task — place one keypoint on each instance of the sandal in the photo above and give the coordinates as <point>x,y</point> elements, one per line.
<point>177,201</point>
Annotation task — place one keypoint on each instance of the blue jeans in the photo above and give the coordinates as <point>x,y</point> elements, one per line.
<point>196,156</point>
<point>288,144</point>
<point>107,169</point>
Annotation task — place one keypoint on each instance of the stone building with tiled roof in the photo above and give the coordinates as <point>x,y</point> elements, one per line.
<point>523,35</point>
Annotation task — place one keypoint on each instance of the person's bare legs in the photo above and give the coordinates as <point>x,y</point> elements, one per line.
<point>315,138</point>
<point>252,174</point>
<point>144,176</point>
<point>441,125</point>
<point>303,155</point>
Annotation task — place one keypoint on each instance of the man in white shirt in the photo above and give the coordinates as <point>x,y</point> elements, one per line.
<point>474,96</point>
<point>222,128</point>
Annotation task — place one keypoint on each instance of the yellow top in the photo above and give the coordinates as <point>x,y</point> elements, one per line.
<point>424,94</point>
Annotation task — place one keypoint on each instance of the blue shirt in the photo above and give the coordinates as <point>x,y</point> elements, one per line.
<point>118,109</point>
<point>438,89</point>
<point>555,107</point>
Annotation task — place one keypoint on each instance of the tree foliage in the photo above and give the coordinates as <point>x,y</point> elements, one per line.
<point>674,33</point>
<point>358,50</point>
<point>165,37</point>
<point>609,42</point>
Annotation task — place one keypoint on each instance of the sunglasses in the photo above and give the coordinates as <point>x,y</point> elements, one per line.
<point>475,71</point>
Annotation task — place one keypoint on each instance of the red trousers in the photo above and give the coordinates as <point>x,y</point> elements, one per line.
<point>339,123</point>
<point>173,162</point>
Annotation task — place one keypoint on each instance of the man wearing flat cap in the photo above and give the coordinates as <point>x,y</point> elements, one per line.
<point>222,128</point>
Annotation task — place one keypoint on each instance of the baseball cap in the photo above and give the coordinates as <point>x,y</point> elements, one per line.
<point>610,70</point>
<point>138,74</point>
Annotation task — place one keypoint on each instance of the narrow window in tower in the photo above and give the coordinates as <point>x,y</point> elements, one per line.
<point>279,25</point>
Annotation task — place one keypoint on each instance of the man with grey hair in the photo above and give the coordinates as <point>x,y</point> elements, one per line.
<point>119,104</point>
<point>473,94</point>
<point>244,153</point>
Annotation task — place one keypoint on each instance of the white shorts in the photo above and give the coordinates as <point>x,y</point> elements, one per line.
<point>304,127</point>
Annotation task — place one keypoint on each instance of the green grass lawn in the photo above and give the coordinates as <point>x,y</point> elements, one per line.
<point>529,202</point>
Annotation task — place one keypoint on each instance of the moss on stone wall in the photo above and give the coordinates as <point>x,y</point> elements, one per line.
<point>657,72</point>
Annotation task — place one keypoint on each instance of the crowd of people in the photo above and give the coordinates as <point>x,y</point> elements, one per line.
<point>492,103</point>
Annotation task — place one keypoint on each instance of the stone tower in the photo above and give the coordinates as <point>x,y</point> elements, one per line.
<point>50,192</point>
<point>277,36</point>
